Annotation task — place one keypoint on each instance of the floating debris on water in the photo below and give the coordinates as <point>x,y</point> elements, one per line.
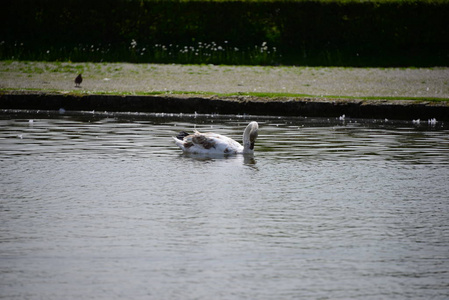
<point>432,121</point>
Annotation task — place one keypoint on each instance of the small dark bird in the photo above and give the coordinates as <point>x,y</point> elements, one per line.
<point>78,80</point>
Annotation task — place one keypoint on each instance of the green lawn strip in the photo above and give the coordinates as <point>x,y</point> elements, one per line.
<point>268,96</point>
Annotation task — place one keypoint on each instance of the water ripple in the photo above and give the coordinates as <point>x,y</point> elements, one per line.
<point>107,207</point>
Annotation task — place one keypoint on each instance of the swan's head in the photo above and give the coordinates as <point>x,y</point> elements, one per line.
<point>249,137</point>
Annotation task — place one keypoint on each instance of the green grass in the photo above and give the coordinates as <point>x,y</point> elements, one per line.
<point>267,96</point>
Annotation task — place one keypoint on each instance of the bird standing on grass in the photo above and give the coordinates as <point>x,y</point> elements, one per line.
<point>78,80</point>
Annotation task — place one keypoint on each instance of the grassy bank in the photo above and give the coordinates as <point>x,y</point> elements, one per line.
<point>250,95</point>
<point>425,84</point>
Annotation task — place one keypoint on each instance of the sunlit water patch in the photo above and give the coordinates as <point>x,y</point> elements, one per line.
<point>107,207</point>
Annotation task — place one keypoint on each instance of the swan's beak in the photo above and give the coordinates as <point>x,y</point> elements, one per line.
<point>253,136</point>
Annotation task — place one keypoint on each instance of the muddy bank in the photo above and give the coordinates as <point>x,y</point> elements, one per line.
<point>304,107</point>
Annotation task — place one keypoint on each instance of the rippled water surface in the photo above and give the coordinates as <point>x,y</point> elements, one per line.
<point>106,207</point>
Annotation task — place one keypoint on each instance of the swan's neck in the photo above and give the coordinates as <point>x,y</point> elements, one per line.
<point>249,137</point>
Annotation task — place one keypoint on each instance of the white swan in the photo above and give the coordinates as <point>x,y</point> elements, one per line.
<point>213,143</point>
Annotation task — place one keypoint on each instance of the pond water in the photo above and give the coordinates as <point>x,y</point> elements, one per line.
<point>104,206</point>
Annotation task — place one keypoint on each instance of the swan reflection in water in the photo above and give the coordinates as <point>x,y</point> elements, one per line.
<point>247,160</point>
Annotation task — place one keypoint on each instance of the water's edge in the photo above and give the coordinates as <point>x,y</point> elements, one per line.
<point>207,104</point>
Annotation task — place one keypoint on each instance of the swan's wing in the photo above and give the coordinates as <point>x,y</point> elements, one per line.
<point>204,141</point>
<point>207,143</point>
<point>194,142</point>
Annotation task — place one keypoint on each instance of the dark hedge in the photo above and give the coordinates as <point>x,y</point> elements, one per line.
<point>351,33</point>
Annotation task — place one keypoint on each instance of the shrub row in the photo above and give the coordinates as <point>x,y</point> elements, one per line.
<point>353,33</point>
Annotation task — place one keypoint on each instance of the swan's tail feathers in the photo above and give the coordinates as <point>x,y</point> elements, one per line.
<point>182,135</point>
<point>179,143</point>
